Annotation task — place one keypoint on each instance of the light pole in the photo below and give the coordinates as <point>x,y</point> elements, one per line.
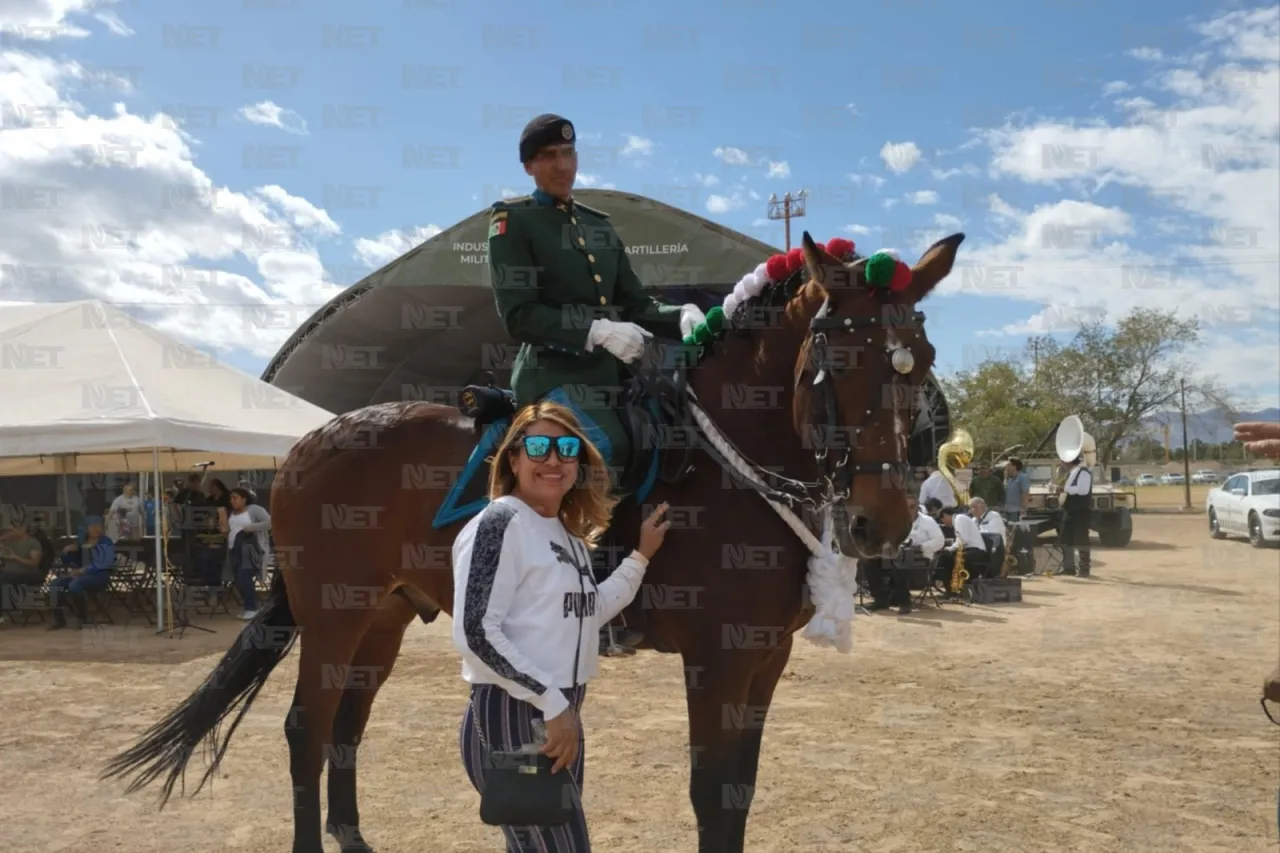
<point>786,209</point>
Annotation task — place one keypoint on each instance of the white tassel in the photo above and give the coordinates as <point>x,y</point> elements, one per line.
<point>755,286</point>
<point>761,272</point>
<point>893,253</point>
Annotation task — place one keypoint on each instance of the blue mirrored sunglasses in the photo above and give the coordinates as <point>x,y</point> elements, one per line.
<point>536,447</point>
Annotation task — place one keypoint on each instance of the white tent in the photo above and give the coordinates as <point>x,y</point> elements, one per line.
<point>84,388</point>
<point>87,383</point>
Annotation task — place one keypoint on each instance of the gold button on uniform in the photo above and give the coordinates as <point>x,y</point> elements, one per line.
<point>601,300</point>
<point>597,277</point>
<point>591,258</point>
<point>581,241</point>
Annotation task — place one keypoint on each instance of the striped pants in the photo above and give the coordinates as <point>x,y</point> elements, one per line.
<point>506,725</point>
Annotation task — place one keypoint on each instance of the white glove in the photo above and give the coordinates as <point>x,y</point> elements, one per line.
<point>624,340</point>
<point>690,316</point>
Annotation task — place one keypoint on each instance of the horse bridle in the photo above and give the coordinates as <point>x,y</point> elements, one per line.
<point>839,477</point>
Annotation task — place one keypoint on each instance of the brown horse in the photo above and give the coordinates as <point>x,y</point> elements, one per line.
<point>828,345</point>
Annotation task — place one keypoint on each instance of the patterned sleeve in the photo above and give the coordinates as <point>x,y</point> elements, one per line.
<point>487,572</point>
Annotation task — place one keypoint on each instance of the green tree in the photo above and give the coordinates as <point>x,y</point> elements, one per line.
<point>1115,376</point>
<point>999,407</point>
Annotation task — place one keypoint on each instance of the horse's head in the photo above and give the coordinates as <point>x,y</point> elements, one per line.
<point>858,380</point>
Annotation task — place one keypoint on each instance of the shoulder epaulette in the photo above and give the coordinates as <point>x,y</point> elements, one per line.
<point>517,201</point>
<point>599,213</point>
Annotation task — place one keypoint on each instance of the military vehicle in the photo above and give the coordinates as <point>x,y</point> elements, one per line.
<point>1112,504</point>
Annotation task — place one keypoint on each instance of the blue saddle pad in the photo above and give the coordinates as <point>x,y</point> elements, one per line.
<point>470,493</point>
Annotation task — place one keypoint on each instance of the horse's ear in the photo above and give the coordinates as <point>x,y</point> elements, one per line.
<point>932,268</point>
<point>816,259</point>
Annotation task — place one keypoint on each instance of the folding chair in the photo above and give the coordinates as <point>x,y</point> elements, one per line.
<point>931,590</point>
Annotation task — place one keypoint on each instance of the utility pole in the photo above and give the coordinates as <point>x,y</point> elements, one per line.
<point>786,209</point>
<point>1186,456</point>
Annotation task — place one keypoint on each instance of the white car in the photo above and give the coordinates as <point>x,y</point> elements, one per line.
<point>1247,504</point>
<point>1147,480</point>
<point>1204,476</point>
<point>1172,479</point>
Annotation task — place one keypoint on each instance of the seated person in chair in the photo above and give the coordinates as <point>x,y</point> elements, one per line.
<point>565,290</point>
<point>889,581</point>
<point>21,560</point>
<point>989,521</point>
<point>969,537</point>
<point>93,558</point>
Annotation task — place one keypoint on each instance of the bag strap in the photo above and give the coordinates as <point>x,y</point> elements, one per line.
<point>582,563</point>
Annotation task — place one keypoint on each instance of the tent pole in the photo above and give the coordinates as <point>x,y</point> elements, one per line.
<point>66,504</point>
<point>159,505</point>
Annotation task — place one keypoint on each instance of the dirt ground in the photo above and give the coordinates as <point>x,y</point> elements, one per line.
<point>1119,713</point>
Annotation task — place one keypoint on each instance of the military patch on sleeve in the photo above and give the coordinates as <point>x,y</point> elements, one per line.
<point>498,224</point>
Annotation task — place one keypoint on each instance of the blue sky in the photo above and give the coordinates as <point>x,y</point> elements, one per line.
<point>903,118</point>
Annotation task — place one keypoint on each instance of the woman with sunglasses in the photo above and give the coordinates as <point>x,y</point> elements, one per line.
<point>526,604</point>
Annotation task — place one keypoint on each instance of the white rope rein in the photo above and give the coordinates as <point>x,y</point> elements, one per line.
<point>832,576</point>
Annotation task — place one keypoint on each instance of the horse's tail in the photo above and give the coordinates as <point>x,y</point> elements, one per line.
<point>232,686</point>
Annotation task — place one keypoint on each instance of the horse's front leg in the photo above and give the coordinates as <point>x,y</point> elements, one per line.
<point>727,702</point>
<point>759,698</point>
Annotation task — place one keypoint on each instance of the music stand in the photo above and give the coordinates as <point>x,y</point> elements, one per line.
<point>861,581</point>
<point>179,619</point>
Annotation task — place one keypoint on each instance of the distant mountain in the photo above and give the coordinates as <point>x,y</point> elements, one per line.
<point>1212,427</point>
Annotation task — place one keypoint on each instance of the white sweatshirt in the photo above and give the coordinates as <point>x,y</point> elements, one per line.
<point>520,582</point>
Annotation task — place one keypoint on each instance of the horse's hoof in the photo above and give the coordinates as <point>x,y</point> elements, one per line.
<point>349,838</point>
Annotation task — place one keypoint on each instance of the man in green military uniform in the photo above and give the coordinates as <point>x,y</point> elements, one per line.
<point>565,289</point>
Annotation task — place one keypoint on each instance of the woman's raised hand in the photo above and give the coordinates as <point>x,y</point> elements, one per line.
<point>653,531</point>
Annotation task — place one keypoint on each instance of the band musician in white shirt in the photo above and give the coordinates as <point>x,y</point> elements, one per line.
<point>936,486</point>
<point>989,521</point>
<point>976,557</point>
<point>889,581</point>
<point>1078,506</point>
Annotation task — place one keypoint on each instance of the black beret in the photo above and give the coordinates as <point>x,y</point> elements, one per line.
<point>546,129</point>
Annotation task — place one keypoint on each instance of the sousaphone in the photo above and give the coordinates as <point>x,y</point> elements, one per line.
<point>1073,442</point>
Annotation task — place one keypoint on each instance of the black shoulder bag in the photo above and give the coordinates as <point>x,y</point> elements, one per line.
<point>519,787</point>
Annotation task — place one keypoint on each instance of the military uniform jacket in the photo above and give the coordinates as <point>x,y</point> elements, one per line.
<point>554,268</point>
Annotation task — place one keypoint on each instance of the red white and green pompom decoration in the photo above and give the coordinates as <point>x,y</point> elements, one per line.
<point>777,268</point>
<point>885,271</point>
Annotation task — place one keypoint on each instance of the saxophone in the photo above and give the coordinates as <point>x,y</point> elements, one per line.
<point>958,449</point>
<point>959,574</point>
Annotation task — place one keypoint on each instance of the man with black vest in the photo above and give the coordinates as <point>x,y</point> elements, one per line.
<point>1078,504</point>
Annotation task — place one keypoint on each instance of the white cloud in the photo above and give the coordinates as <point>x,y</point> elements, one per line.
<point>270,114</point>
<point>873,181</point>
<point>586,180</point>
<point>636,147</point>
<point>726,203</point>
<point>304,215</point>
<point>389,245</point>
<point>858,229</point>
<point>779,170</point>
<point>1115,87</point>
<point>1146,54</point>
<point>113,208</point>
<point>946,220</point>
<point>706,180</point>
<point>900,157</point>
<point>43,20</point>
<point>946,174</point>
<point>923,197</point>
<point>731,156</point>
<point>113,23</point>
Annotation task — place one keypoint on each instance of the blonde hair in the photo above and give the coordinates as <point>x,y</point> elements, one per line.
<point>588,507</point>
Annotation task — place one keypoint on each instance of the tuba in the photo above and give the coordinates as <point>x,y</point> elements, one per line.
<point>957,449</point>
